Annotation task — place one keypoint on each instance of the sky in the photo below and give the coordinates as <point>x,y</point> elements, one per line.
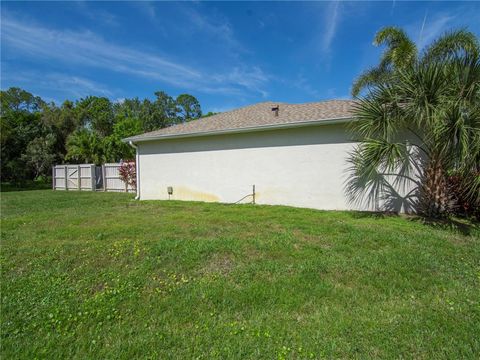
<point>227,54</point>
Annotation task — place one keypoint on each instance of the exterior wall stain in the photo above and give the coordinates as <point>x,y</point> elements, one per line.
<point>185,193</point>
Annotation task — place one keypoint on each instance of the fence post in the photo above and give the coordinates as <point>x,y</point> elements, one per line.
<point>79,179</point>
<point>53,177</point>
<point>66,176</point>
<point>93,177</point>
<point>104,180</point>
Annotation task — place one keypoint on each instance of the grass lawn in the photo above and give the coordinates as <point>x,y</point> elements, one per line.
<point>95,275</point>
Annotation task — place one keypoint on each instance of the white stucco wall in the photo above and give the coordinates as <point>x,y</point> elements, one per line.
<point>304,167</point>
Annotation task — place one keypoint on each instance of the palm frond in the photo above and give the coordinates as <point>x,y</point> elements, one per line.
<point>452,44</point>
<point>401,50</point>
<point>464,78</point>
<point>421,89</point>
<point>370,78</point>
<point>390,36</point>
<point>377,114</point>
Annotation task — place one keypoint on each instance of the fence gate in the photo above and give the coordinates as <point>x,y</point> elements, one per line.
<point>74,177</point>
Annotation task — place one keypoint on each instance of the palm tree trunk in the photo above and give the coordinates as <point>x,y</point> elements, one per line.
<point>434,199</point>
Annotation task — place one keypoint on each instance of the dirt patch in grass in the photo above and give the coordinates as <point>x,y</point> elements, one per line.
<point>218,264</point>
<point>98,288</point>
<point>311,239</point>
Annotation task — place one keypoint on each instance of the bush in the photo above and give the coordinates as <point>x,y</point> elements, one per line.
<point>462,204</point>
<point>128,173</point>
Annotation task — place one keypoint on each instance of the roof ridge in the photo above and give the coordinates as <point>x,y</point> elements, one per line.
<point>259,115</point>
<point>273,102</point>
<point>279,103</point>
<point>247,106</point>
<point>232,111</point>
<point>321,102</point>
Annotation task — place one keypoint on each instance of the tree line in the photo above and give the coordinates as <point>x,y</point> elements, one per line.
<point>36,134</point>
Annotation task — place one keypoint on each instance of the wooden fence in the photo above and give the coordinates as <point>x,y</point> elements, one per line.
<point>88,177</point>
<point>111,179</point>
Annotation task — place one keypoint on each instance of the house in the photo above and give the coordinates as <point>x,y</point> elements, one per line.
<point>267,153</point>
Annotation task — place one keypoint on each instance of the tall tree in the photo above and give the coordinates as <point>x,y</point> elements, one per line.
<point>160,113</point>
<point>96,113</point>
<point>20,123</point>
<point>188,107</point>
<point>61,121</point>
<point>129,108</point>
<point>15,99</point>
<point>40,154</point>
<point>115,148</point>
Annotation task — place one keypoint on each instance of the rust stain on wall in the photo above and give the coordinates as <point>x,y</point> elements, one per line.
<point>185,193</point>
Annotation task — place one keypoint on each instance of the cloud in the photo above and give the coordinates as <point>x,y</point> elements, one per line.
<point>431,29</point>
<point>321,43</point>
<point>304,85</point>
<point>87,49</point>
<point>214,26</point>
<point>392,8</point>
<point>332,18</point>
<point>63,84</point>
<point>98,15</point>
<point>147,8</point>
<point>253,78</point>
<point>80,85</point>
<point>103,17</point>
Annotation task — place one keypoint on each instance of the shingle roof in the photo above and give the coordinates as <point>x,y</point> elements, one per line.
<point>257,115</point>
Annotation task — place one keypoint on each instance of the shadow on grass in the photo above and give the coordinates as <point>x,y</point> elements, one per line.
<point>24,186</point>
<point>463,226</point>
<point>372,214</point>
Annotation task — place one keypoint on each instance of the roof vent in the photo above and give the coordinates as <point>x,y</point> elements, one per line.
<point>275,110</point>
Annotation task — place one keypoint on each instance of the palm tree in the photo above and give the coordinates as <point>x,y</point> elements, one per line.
<point>85,146</point>
<point>433,100</point>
